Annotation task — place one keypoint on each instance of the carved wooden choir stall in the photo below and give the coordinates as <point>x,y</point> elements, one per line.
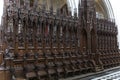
<point>43,44</point>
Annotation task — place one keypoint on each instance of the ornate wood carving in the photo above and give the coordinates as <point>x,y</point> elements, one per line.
<point>46,44</point>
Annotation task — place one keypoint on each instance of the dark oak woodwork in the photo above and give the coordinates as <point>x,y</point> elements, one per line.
<point>48,45</point>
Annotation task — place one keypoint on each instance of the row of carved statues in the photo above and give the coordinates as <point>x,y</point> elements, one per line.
<point>59,65</point>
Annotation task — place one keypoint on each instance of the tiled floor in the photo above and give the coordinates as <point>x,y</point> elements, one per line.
<point>110,76</point>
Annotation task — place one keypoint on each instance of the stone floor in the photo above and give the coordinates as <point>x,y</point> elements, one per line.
<point>108,74</point>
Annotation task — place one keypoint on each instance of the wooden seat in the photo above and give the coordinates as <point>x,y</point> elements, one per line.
<point>30,74</point>
<point>41,68</point>
<point>29,71</point>
<point>59,67</point>
<point>82,65</point>
<point>51,67</point>
<point>90,65</point>
<point>75,65</point>
<point>68,67</point>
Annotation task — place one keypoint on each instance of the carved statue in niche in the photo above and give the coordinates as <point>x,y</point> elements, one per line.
<point>20,40</point>
<point>61,41</point>
<point>54,37</point>
<point>39,33</point>
<point>10,32</point>
<point>47,34</point>
<point>75,36</point>
<point>54,34</point>
<point>11,44</point>
<point>20,53</point>
<point>54,41</point>
<point>30,37</point>
<point>60,36</point>
<point>48,54</point>
<point>67,38</point>
<point>40,53</point>
<point>10,25</point>
<point>9,53</point>
<point>39,40</point>
<point>73,39</point>
<point>47,41</point>
<point>20,34</point>
<point>10,40</point>
<point>55,52</point>
<point>90,17</point>
<point>64,34</point>
<point>31,53</point>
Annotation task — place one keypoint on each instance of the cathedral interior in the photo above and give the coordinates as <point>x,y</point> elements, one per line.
<point>48,40</point>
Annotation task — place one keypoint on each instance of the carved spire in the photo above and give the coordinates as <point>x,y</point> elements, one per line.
<point>79,9</point>
<point>75,12</point>
<point>58,8</point>
<point>44,6</point>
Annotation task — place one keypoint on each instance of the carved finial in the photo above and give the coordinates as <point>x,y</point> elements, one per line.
<point>75,12</point>
<point>43,6</point>
<point>69,12</point>
<point>58,8</point>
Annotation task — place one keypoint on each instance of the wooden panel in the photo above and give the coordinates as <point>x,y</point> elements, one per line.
<point>1,58</point>
<point>4,75</point>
